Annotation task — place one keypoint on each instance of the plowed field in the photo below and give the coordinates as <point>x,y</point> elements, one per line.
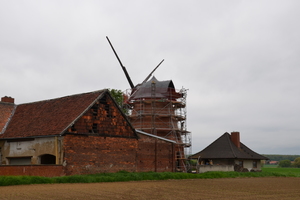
<point>235,188</point>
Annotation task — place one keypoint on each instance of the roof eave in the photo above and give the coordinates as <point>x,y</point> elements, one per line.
<point>29,137</point>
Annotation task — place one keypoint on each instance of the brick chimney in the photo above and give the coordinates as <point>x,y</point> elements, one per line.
<point>235,138</point>
<point>7,99</point>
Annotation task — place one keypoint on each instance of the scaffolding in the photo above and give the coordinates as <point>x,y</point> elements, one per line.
<point>162,112</point>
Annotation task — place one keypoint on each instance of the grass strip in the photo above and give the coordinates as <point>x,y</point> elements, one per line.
<point>139,176</point>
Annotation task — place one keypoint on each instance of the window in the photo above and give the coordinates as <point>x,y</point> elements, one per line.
<point>241,163</point>
<point>95,128</point>
<point>254,164</point>
<point>20,161</point>
<point>73,129</point>
<point>95,110</point>
<point>106,107</point>
<point>47,159</point>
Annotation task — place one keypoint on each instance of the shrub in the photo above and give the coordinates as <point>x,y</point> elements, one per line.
<point>285,163</point>
<point>296,162</point>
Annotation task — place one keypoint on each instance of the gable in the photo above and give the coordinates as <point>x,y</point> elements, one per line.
<point>103,118</point>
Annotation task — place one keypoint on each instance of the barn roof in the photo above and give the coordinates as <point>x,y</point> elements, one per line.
<point>224,148</point>
<point>48,117</point>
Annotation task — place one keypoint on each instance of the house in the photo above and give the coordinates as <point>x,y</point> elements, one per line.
<point>227,153</point>
<point>79,134</point>
<point>273,162</point>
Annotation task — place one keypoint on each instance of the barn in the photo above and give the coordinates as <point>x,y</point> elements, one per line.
<point>78,134</point>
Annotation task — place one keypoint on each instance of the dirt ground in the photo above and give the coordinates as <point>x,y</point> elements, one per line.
<point>235,188</point>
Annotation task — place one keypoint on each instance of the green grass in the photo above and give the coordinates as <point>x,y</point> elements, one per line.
<point>270,166</point>
<point>291,172</point>
<point>126,176</point>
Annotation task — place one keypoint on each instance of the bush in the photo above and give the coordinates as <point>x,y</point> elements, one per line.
<point>296,162</point>
<point>285,163</point>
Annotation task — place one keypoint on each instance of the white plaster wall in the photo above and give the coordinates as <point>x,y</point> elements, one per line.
<point>34,149</point>
<point>249,164</point>
<point>210,168</point>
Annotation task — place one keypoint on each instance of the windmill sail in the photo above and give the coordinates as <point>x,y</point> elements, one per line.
<point>124,69</point>
<point>152,72</point>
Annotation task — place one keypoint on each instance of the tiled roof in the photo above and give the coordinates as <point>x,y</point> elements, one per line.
<point>6,110</point>
<point>49,117</point>
<point>224,148</point>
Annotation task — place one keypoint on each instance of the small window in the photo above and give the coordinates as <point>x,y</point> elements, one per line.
<point>254,164</point>
<point>20,161</point>
<point>241,163</point>
<point>207,162</point>
<point>47,159</point>
<point>95,128</point>
<point>73,129</point>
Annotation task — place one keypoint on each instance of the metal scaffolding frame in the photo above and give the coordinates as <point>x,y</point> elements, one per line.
<point>164,117</point>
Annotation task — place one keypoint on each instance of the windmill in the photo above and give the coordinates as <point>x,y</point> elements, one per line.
<point>124,69</point>
<point>156,107</point>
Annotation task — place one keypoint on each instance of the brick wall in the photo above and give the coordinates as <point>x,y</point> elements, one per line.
<point>105,119</point>
<point>86,154</point>
<point>31,170</point>
<point>155,155</point>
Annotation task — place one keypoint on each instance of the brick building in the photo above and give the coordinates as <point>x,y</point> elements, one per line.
<point>79,134</point>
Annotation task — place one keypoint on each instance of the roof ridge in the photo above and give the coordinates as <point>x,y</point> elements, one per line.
<point>64,97</point>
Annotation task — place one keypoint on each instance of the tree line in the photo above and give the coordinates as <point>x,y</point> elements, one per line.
<point>277,157</point>
<point>284,160</point>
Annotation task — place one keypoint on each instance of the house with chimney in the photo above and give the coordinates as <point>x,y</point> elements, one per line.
<point>227,153</point>
<point>78,134</point>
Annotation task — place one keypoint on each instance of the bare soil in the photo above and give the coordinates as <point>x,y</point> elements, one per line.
<point>229,188</point>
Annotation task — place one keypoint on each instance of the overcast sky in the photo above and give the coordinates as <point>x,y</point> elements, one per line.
<point>239,60</point>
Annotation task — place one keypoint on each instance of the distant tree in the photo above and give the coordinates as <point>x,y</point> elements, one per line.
<point>285,163</point>
<point>277,157</point>
<point>296,162</point>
